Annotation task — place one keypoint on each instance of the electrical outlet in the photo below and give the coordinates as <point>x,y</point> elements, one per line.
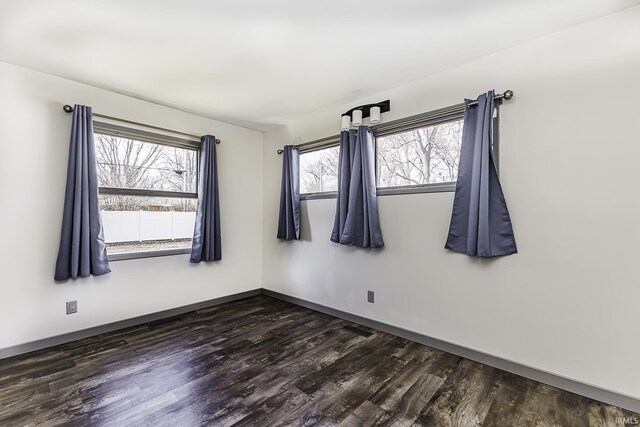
<point>72,307</point>
<point>371,296</point>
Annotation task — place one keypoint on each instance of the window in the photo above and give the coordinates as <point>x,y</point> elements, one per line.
<point>413,155</point>
<point>421,156</point>
<point>319,170</point>
<point>148,191</point>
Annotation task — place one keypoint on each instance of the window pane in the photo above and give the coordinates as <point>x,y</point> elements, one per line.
<point>126,163</point>
<point>319,170</point>
<point>426,155</point>
<point>138,224</point>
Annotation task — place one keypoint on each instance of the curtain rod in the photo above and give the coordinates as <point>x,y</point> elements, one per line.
<point>69,109</point>
<point>506,95</point>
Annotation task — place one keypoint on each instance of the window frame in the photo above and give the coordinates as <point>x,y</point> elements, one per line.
<point>326,143</point>
<point>110,129</point>
<point>430,118</point>
<point>409,125</point>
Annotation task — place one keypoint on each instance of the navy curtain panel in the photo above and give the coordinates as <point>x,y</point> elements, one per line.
<point>82,251</point>
<point>357,221</point>
<point>207,245</point>
<point>289,214</point>
<point>480,222</point>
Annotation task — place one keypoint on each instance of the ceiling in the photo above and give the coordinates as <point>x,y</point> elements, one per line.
<point>259,63</point>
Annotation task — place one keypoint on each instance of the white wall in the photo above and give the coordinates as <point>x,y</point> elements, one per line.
<point>570,149</point>
<point>34,141</point>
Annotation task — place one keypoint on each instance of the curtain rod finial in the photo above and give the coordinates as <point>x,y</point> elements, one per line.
<point>217,141</point>
<point>508,94</point>
<point>68,108</point>
<point>280,151</point>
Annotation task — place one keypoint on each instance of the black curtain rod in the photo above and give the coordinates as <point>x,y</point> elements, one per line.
<point>69,109</point>
<point>506,95</point>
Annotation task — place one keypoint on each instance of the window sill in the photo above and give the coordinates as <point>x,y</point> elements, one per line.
<point>416,189</point>
<point>147,254</point>
<point>391,191</point>
<point>323,195</point>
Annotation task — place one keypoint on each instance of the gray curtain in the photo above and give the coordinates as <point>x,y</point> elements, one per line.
<point>289,215</point>
<point>82,251</point>
<point>480,222</point>
<point>357,221</point>
<point>207,245</point>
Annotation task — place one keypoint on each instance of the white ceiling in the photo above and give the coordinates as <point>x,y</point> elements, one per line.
<point>258,63</point>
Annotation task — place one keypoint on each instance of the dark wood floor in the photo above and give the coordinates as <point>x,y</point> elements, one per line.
<point>264,362</point>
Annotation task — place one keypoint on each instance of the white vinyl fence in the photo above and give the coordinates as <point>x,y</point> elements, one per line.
<point>136,226</point>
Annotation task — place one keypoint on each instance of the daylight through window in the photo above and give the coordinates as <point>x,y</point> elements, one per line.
<point>411,156</point>
<point>319,170</point>
<point>148,194</point>
<point>425,155</point>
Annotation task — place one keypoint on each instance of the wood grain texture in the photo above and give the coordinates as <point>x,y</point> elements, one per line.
<point>266,362</point>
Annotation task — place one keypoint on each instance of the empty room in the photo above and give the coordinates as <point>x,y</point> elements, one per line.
<point>335,213</point>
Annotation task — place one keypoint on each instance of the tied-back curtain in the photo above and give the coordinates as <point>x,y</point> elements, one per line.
<point>357,221</point>
<point>82,250</point>
<point>480,222</point>
<point>207,245</point>
<point>289,215</point>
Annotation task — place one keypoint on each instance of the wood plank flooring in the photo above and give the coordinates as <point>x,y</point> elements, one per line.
<point>265,362</point>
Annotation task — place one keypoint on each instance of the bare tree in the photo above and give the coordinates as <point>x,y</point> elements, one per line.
<point>126,163</point>
<point>420,156</point>
<point>319,170</point>
<point>180,173</point>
